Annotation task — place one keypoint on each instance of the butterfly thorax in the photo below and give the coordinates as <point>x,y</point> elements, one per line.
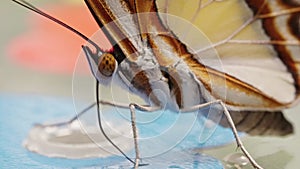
<point>162,83</point>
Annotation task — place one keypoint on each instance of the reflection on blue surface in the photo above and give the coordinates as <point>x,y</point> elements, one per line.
<point>19,112</point>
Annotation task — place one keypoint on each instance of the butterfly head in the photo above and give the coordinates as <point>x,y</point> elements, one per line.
<point>102,64</point>
<point>107,64</point>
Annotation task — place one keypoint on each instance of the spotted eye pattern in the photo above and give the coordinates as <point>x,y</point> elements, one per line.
<point>107,65</point>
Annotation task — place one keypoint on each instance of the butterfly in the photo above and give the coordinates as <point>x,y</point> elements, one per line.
<point>245,58</point>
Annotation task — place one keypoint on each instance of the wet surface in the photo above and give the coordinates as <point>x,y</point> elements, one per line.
<point>17,121</point>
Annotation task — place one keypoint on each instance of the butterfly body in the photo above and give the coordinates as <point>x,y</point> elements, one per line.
<point>157,75</point>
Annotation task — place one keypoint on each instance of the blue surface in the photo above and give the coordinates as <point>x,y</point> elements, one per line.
<point>19,112</point>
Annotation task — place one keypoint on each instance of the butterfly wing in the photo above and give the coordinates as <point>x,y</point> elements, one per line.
<point>242,33</point>
<point>257,43</point>
<point>260,123</point>
<point>259,67</point>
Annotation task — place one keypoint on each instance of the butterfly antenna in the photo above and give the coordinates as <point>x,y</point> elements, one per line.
<point>40,12</point>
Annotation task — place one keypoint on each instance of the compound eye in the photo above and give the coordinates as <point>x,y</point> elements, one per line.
<point>107,64</point>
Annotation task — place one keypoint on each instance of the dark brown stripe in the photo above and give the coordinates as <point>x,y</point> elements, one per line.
<point>259,124</point>
<point>274,123</point>
<point>141,82</point>
<point>281,50</point>
<point>249,121</point>
<point>256,6</point>
<point>294,23</point>
<point>290,3</point>
<point>123,48</point>
<point>244,115</point>
<point>265,123</point>
<point>274,33</point>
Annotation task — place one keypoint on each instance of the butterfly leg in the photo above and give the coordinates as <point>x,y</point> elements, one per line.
<point>237,138</point>
<point>132,108</point>
<point>232,126</point>
<point>135,135</point>
<point>69,121</point>
<point>82,112</point>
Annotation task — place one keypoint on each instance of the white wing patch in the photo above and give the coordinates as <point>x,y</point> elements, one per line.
<point>267,75</point>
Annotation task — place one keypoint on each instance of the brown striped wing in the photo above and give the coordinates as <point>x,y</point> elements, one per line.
<point>281,21</point>
<point>257,43</point>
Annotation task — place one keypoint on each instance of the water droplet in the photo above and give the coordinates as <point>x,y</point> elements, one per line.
<point>236,159</point>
